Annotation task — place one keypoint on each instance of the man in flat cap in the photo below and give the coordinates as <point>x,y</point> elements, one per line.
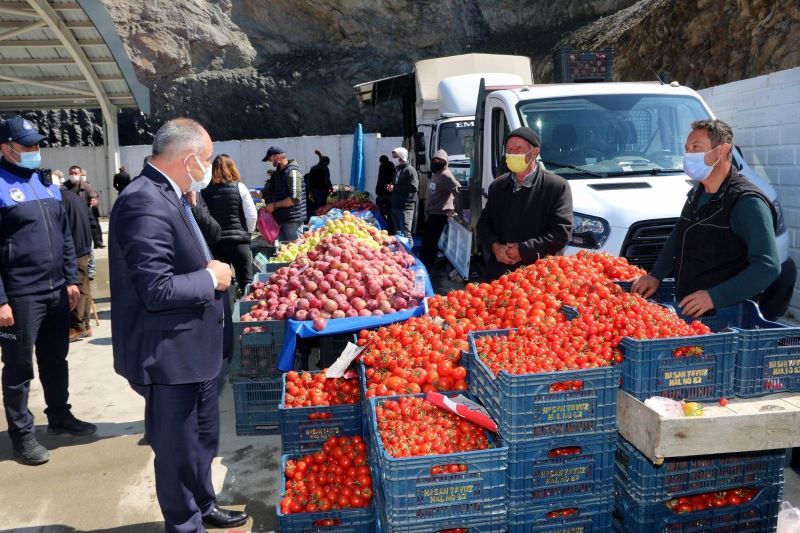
<point>528,214</point>
<point>38,288</point>
<point>287,197</point>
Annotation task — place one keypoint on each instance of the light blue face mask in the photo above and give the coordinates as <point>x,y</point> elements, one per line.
<point>694,164</point>
<point>29,160</point>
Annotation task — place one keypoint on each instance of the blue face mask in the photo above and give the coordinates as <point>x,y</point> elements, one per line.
<point>694,164</point>
<point>29,160</point>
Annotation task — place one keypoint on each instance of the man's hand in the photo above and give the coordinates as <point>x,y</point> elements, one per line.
<point>270,207</point>
<point>512,252</point>
<point>222,273</point>
<point>500,253</point>
<point>73,293</point>
<point>645,285</point>
<point>390,187</point>
<point>696,304</point>
<point>6,316</point>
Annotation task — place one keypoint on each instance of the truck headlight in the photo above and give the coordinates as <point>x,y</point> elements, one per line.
<point>588,231</point>
<point>781,226</point>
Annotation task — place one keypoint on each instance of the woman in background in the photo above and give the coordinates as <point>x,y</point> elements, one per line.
<point>232,207</point>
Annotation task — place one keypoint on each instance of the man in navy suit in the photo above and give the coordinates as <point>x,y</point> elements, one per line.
<point>166,322</point>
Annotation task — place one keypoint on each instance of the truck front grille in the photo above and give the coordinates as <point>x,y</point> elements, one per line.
<point>644,241</point>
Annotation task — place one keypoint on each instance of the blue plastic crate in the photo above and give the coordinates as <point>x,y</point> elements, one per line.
<point>651,369</point>
<point>525,408</point>
<point>664,293</point>
<point>255,353</point>
<point>256,406</point>
<point>412,493</point>
<point>684,476</point>
<point>593,515</point>
<point>538,476</point>
<point>346,520</point>
<point>768,357</point>
<point>302,433</point>
<point>262,277</point>
<point>489,523</point>
<point>758,515</point>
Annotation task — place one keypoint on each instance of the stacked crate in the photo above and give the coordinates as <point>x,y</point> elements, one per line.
<point>561,433</point>
<point>646,494</point>
<point>412,499</point>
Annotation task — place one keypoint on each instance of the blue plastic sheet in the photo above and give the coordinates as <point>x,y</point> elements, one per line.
<point>373,218</point>
<point>305,329</point>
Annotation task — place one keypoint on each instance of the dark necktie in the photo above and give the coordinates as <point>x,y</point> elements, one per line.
<point>195,228</point>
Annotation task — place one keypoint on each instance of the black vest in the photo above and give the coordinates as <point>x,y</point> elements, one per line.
<point>707,251</point>
<point>281,190</point>
<point>225,205</point>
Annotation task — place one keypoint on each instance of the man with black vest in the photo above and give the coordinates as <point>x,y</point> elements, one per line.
<point>722,250</point>
<point>287,201</point>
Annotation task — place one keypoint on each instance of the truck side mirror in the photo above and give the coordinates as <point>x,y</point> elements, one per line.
<point>419,143</point>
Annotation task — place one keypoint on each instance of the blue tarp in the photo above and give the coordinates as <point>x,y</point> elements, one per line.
<point>357,173</point>
<point>373,218</point>
<point>336,326</point>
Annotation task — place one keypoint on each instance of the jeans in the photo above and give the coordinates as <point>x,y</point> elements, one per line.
<point>83,312</point>
<point>403,221</point>
<point>290,231</point>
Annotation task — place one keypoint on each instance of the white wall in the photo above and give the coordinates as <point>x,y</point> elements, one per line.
<point>247,155</point>
<point>765,115</point>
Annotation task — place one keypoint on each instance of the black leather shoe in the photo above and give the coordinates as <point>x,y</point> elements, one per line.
<point>223,518</point>
<point>71,426</point>
<point>30,452</point>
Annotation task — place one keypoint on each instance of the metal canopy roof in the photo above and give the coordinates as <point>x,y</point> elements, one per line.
<point>64,54</point>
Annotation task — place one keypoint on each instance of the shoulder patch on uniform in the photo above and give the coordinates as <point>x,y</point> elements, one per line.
<point>17,195</point>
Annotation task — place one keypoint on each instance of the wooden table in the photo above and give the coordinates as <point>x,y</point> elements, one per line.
<point>753,424</point>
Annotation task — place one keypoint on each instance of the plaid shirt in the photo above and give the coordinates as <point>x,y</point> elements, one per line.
<point>527,182</point>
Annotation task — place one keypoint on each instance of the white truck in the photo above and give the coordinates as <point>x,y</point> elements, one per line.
<point>438,99</point>
<point>620,145</point>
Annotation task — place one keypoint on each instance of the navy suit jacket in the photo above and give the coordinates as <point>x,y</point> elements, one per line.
<point>166,317</point>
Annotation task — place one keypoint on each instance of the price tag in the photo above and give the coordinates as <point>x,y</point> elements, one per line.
<point>349,354</point>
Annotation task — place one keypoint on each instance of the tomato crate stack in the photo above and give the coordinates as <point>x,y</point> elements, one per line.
<point>561,432</point>
<point>305,429</point>
<point>768,353</point>
<point>347,520</point>
<point>254,376</point>
<point>435,492</point>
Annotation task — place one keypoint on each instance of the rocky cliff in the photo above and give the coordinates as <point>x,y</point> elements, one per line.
<point>271,68</point>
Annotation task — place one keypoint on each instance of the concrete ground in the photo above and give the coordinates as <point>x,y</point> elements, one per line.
<point>106,482</point>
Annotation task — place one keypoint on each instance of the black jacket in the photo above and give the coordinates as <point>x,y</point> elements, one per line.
<point>539,218</point>
<point>36,250</point>
<point>121,180</point>
<point>225,205</point>
<point>385,176</point>
<point>208,226</point>
<point>78,215</point>
<point>406,184</point>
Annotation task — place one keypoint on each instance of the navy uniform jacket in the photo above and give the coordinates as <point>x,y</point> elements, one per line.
<point>166,317</point>
<point>36,250</point>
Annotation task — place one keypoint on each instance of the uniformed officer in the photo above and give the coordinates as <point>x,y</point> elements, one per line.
<point>38,287</point>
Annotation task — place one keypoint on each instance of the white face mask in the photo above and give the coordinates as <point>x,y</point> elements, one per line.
<point>197,186</point>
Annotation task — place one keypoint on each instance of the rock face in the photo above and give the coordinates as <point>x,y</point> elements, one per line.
<point>272,68</point>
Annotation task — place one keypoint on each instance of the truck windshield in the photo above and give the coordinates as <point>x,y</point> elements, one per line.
<point>453,138</point>
<point>612,135</point>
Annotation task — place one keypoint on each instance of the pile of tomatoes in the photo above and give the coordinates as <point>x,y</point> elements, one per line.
<point>336,477</point>
<point>415,356</point>
<point>305,389</point>
<point>708,500</point>
<point>410,426</point>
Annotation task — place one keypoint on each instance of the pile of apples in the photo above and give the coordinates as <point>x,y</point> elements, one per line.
<point>342,276</point>
<point>347,225</point>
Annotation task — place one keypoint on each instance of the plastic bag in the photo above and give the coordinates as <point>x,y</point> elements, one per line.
<point>665,407</point>
<point>788,519</point>
<point>267,225</point>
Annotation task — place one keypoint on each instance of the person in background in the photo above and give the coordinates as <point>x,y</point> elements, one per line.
<point>94,206</point>
<point>528,212</point>
<point>405,184</point>
<point>78,215</point>
<point>58,177</point>
<point>231,205</point>
<point>167,316</point>
<point>287,199</point>
<point>76,182</point>
<point>383,195</point>
<point>441,202</point>
<point>319,182</point>
<point>722,250</point>
<point>39,288</point>
<point>121,179</point>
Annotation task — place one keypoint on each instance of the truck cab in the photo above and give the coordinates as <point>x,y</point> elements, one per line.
<point>620,145</point>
